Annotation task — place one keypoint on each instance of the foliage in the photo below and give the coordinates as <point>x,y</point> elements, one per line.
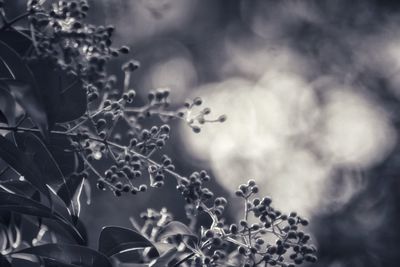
<point>58,114</point>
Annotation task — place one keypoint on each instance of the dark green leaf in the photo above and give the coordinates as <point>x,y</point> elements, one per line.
<point>67,254</point>
<point>115,239</point>
<point>23,165</point>
<point>20,204</point>
<point>176,228</point>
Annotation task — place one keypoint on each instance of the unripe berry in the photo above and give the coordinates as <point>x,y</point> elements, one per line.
<point>243,223</point>
<point>197,101</point>
<point>254,189</point>
<point>251,182</point>
<point>242,250</point>
<point>233,229</point>
<point>209,233</point>
<point>124,50</point>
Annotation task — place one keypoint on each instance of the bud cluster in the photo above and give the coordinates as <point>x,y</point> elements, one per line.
<point>192,189</point>
<point>248,243</point>
<point>196,119</point>
<point>72,45</point>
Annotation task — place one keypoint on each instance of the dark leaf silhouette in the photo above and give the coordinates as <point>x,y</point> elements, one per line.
<point>63,94</point>
<point>39,154</point>
<point>66,254</point>
<point>7,105</point>
<point>72,103</point>
<point>21,188</point>
<point>164,259</point>
<point>18,39</point>
<point>16,203</point>
<point>4,262</point>
<point>23,165</point>
<point>23,86</point>
<point>70,193</point>
<point>115,239</point>
<point>60,148</point>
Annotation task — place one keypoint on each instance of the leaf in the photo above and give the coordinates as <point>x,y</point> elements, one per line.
<point>7,105</point>
<point>23,165</point>
<point>63,94</point>
<point>20,204</point>
<point>70,193</point>
<point>115,239</point>
<point>164,259</point>
<point>23,86</point>
<point>67,254</point>
<point>21,188</point>
<point>60,147</point>
<point>38,153</point>
<point>19,40</point>
<point>176,228</point>
<point>73,103</point>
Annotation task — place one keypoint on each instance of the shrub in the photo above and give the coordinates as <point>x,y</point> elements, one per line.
<point>59,113</point>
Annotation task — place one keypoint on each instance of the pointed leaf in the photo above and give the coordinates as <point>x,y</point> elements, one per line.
<point>60,147</point>
<point>70,193</point>
<point>23,188</point>
<point>164,259</point>
<point>18,39</point>
<point>63,94</point>
<point>73,103</point>
<point>23,165</point>
<point>23,86</point>
<point>38,153</point>
<point>115,239</point>
<point>20,204</point>
<point>67,254</point>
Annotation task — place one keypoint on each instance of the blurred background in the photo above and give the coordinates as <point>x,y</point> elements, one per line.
<point>311,89</point>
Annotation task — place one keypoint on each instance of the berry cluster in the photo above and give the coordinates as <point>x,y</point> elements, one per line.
<point>192,189</point>
<point>61,36</point>
<point>287,228</point>
<point>246,243</point>
<point>195,120</point>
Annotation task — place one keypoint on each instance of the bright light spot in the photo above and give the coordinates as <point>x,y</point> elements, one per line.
<point>280,134</point>
<point>177,73</point>
<point>356,131</point>
<point>97,155</point>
